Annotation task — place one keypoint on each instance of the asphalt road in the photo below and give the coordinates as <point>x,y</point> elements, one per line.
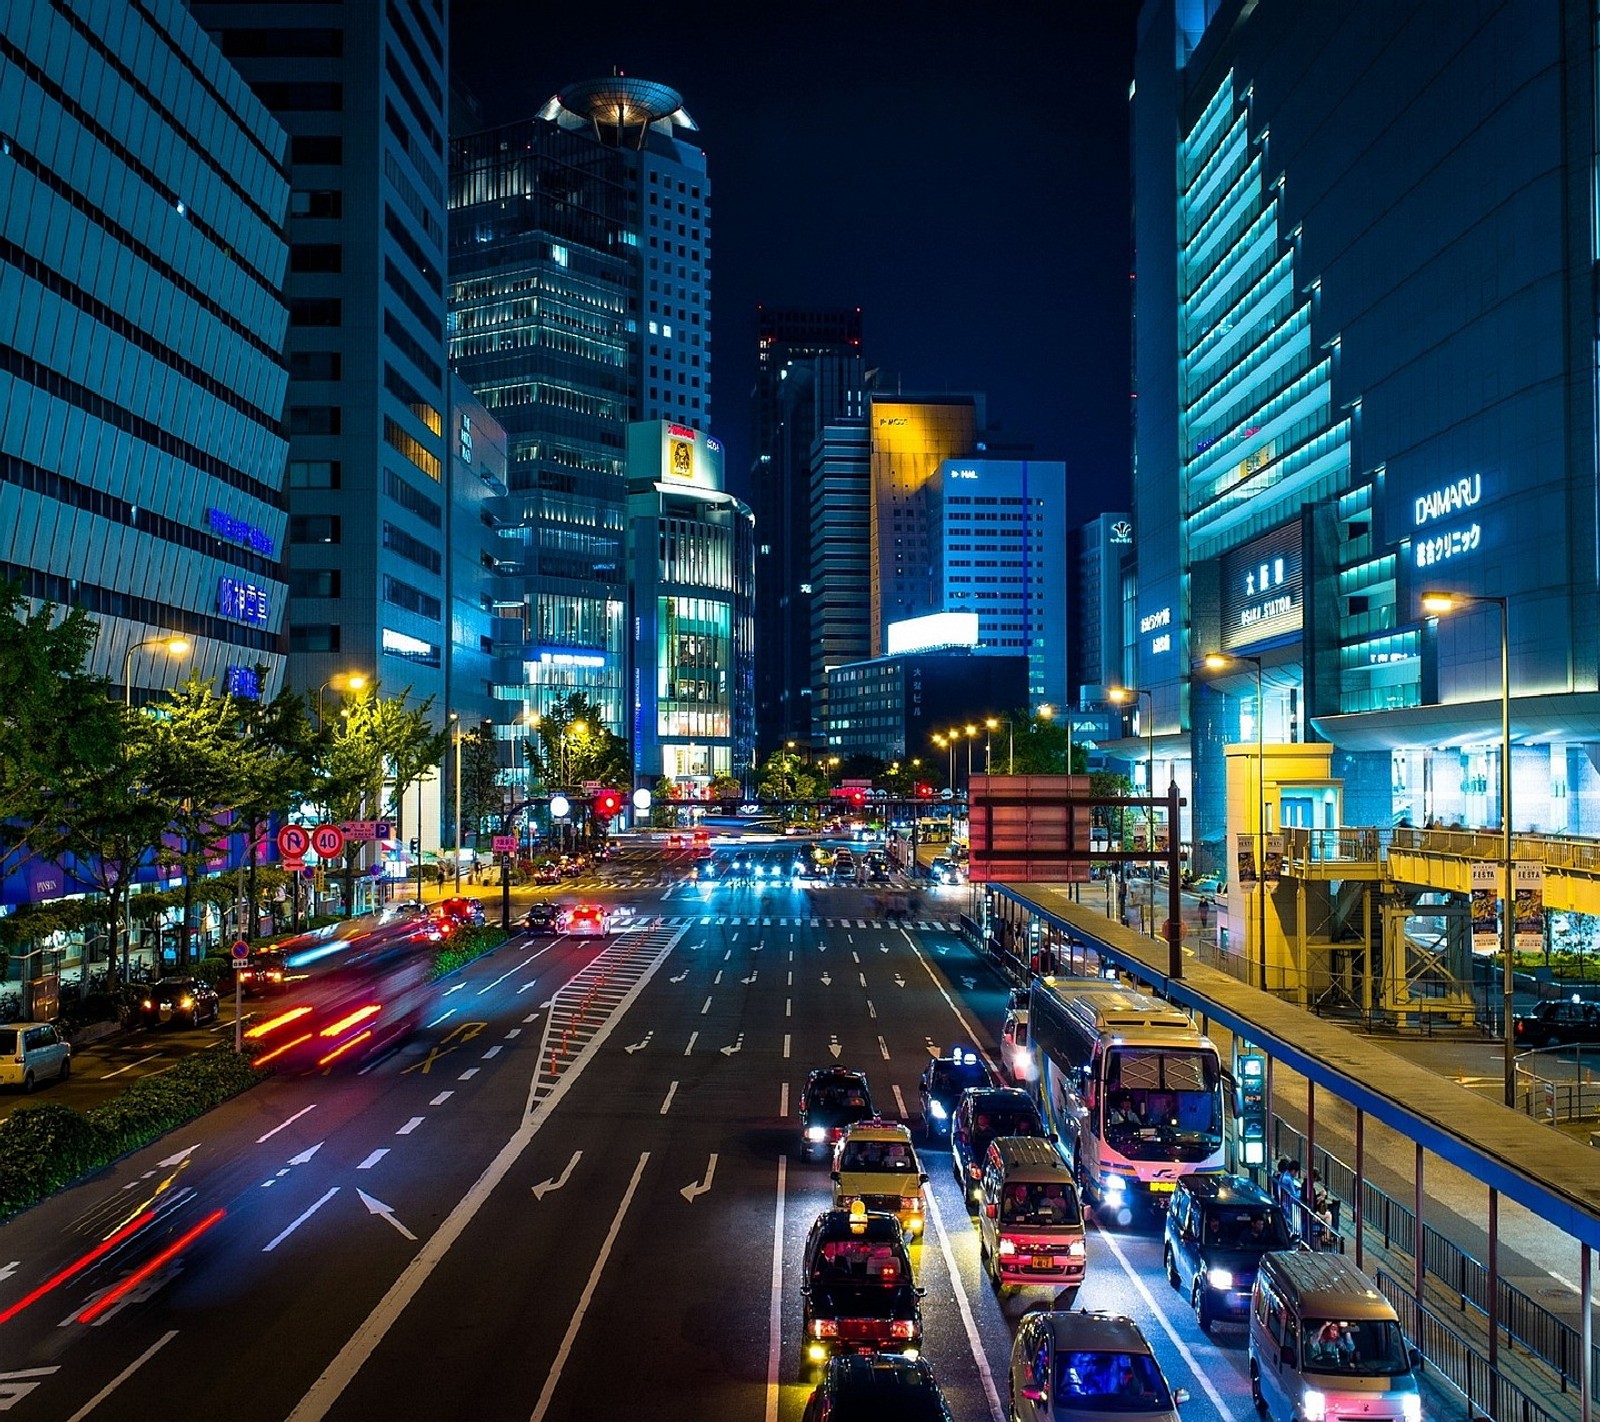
<point>574,1194</point>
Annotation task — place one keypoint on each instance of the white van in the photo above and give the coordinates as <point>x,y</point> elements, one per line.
<point>31,1052</point>
<point>1325,1343</point>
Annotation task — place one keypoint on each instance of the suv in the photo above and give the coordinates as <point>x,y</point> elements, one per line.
<point>941,1084</point>
<point>1558,1024</point>
<point>875,1165</point>
<point>833,1099</point>
<point>984,1115</point>
<point>1218,1227</point>
<point>857,1290</point>
<point>1086,1364</point>
<point>875,1386</point>
<point>32,1051</point>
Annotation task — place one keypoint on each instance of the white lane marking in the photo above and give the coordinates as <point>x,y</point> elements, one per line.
<point>1166,1324</point>
<point>884,1048</point>
<point>786,1046</point>
<point>536,1011</point>
<point>871,1010</point>
<point>900,1101</point>
<point>790,982</point>
<point>855,958</point>
<point>441,1098</point>
<point>492,1052</point>
<point>965,1310</point>
<point>863,978</point>
<point>123,1376</point>
<point>775,1306</point>
<point>671,1092</point>
<point>373,1159</point>
<point>783,1100</point>
<point>440,1018</point>
<point>706,1008</point>
<point>468,1074</point>
<point>509,971</point>
<point>565,1349</point>
<point>513,1033</point>
<point>131,1065</point>
<point>729,953</point>
<point>693,1037</point>
<point>788,1007</point>
<point>267,1249</point>
<point>297,1115</point>
<point>966,1026</point>
<point>410,1125</point>
<point>716,981</point>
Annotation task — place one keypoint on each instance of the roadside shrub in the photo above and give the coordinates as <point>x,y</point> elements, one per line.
<point>42,1148</point>
<point>465,945</point>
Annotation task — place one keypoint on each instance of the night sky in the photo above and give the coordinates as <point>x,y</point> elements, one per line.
<point>959,171</point>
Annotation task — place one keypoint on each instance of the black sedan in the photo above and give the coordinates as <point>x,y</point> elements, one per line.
<point>541,918</point>
<point>1559,1024</point>
<point>857,1291</point>
<point>187,1000</point>
<point>873,1387</point>
<point>941,1085</point>
<point>834,1099</point>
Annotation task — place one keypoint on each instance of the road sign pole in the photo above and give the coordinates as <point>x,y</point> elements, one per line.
<point>241,956</point>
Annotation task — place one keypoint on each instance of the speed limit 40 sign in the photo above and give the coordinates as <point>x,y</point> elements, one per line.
<point>328,841</point>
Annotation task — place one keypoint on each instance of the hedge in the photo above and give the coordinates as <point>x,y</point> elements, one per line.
<point>45,1147</point>
<point>464,945</point>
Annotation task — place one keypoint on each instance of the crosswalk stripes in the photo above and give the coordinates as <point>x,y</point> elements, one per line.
<point>922,925</point>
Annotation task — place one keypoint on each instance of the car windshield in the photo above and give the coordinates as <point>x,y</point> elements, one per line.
<point>876,1155</point>
<point>1110,1382</point>
<point>1035,1203</point>
<point>859,1261</point>
<point>839,1096</point>
<point>8,1041</point>
<point>1252,1228</point>
<point>958,1076</point>
<point>1162,1095</point>
<point>986,1125</point>
<point>1364,1347</point>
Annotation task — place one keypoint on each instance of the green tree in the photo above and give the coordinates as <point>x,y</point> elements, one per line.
<point>664,804</point>
<point>282,775</point>
<point>573,744</point>
<point>725,787</point>
<point>482,793</point>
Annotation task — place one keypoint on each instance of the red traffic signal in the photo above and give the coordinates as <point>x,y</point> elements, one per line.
<point>608,804</point>
<point>924,791</point>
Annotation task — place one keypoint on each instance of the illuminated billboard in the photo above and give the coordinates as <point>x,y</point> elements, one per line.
<point>1263,589</point>
<point>936,630</point>
<point>664,452</point>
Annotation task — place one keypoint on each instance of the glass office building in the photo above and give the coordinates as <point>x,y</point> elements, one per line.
<point>142,319</point>
<point>1366,369</point>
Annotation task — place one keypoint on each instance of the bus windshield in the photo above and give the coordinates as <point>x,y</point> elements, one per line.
<point>1170,1097</point>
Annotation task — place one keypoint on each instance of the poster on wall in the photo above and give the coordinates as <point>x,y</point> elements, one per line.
<point>1247,859</point>
<point>1485,894</point>
<point>1272,860</point>
<point>1527,883</point>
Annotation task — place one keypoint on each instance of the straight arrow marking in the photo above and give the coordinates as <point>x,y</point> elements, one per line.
<point>383,1211</point>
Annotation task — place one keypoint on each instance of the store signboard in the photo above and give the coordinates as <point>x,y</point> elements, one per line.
<point>1263,589</point>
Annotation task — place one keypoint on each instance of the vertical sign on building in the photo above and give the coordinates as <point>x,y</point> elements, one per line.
<point>1247,858</point>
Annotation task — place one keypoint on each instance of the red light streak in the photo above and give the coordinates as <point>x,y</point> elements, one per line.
<point>138,1277</point>
<point>138,1222</point>
<point>344,1047</point>
<point>279,1051</point>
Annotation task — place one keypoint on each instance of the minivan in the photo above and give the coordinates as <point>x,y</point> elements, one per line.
<point>1030,1221</point>
<point>1325,1343</point>
<point>31,1052</point>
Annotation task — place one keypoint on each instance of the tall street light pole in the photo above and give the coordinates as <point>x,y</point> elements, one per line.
<point>352,681</point>
<point>455,719</point>
<point>1221,661</point>
<point>993,723</point>
<point>1440,604</point>
<point>173,646</point>
<point>1122,695</point>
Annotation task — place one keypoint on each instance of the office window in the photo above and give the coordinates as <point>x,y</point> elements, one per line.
<point>314,528</point>
<point>314,637</point>
<point>314,474</point>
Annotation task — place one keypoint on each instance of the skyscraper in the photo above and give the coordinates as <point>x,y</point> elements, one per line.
<point>841,564</point>
<point>142,320</point>
<point>580,245</point>
<point>808,375</point>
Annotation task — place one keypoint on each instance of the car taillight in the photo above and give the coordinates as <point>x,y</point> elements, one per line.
<point>824,1328</point>
<point>902,1328</point>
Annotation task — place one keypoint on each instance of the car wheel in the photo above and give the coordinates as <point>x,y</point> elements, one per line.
<point>1202,1309</point>
<point>1255,1389</point>
<point>1172,1269</point>
<point>66,1067</point>
<point>27,1082</point>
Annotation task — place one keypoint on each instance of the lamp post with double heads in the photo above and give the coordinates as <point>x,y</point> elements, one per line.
<point>1122,695</point>
<point>1221,661</point>
<point>1441,604</point>
<point>173,646</point>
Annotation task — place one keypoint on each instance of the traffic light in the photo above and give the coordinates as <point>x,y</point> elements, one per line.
<point>858,798</point>
<point>924,790</point>
<point>414,845</point>
<point>608,804</point>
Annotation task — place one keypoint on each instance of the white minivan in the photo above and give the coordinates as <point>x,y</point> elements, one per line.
<point>31,1052</point>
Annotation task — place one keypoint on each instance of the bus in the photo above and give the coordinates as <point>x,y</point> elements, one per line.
<point>1132,1090</point>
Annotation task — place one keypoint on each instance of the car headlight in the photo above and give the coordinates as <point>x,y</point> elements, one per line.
<point>816,1133</point>
<point>147,1004</point>
<point>1219,1278</point>
<point>937,1111</point>
<point>1006,1248</point>
<point>1411,1407</point>
<point>1113,1184</point>
<point>1313,1405</point>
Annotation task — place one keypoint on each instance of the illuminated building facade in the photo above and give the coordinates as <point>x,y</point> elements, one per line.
<point>1366,368</point>
<point>580,300</point>
<point>142,327</point>
<point>841,564</point>
<point>691,553</point>
<point>1096,552</point>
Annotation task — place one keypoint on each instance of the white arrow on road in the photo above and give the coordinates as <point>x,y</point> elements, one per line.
<point>640,1046</point>
<point>8,1270</point>
<point>969,983</point>
<point>736,1047</point>
<point>827,981</point>
<point>751,978</point>
<point>883,947</point>
<point>834,1047</point>
<point>179,1158</point>
<point>377,1207</point>
<point>693,1192</point>
<point>681,976</point>
<point>544,1187</point>
<point>899,981</point>
<point>304,1157</point>
<point>16,1386</point>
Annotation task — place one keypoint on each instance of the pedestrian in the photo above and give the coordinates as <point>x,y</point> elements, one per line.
<point>1205,911</point>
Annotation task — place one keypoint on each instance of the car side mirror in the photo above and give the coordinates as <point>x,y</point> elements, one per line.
<point>1035,1394</point>
<point>923,1176</point>
<point>833,1175</point>
<point>1286,1354</point>
<point>921,1293</point>
<point>1415,1354</point>
<point>1180,1396</point>
<point>991,1211</point>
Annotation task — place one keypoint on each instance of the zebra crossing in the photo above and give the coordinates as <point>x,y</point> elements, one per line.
<point>733,920</point>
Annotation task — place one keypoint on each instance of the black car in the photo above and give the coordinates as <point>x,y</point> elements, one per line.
<point>857,1290</point>
<point>1218,1227</point>
<point>981,1115</point>
<point>187,1000</point>
<point>870,1388</point>
<point>834,1099</point>
<point>541,918</point>
<point>1558,1024</point>
<point>261,974</point>
<point>941,1084</point>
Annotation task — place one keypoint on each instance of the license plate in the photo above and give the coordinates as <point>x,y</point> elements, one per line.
<point>1042,1261</point>
<point>1163,1187</point>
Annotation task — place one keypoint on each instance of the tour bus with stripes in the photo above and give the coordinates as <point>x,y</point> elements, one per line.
<point>1132,1089</point>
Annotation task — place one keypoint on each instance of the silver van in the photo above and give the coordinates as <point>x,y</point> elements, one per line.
<point>1325,1343</point>
<point>31,1052</point>
<point>1030,1220</point>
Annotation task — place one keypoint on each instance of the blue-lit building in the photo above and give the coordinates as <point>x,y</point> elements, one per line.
<point>142,320</point>
<point>1366,368</point>
<point>691,557</point>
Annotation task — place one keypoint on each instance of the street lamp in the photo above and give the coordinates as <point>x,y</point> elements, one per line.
<point>1221,661</point>
<point>455,720</point>
<point>580,727</point>
<point>1121,695</point>
<point>993,723</point>
<point>173,646</point>
<point>1441,604</point>
<point>945,742</point>
<point>352,681</point>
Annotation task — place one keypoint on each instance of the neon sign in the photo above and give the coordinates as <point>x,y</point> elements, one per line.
<point>1440,503</point>
<point>236,530</point>
<point>243,602</point>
